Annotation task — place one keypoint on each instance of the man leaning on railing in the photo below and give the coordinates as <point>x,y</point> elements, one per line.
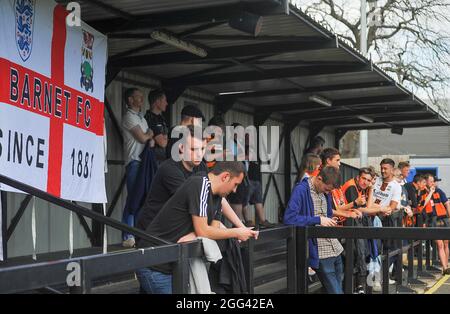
<point>311,205</point>
<point>194,210</point>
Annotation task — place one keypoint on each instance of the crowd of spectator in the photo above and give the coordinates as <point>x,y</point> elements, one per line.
<point>370,199</point>
<point>176,195</point>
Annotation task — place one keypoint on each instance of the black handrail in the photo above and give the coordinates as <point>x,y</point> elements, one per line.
<point>383,233</point>
<point>40,275</point>
<point>81,210</point>
<point>35,276</point>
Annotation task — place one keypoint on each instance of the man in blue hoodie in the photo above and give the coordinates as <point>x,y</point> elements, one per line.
<point>311,205</point>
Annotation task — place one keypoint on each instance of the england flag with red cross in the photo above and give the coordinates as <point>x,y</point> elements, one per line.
<point>52,84</point>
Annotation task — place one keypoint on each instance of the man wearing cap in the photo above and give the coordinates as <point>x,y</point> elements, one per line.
<point>190,115</point>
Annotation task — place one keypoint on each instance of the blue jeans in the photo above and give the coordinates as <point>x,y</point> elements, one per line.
<point>154,282</point>
<point>127,217</point>
<point>330,274</point>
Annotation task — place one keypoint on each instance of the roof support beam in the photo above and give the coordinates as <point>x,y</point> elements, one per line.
<point>348,122</point>
<point>253,38</point>
<point>338,135</point>
<point>314,130</point>
<point>173,92</point>
<point>383,125</point>
<point>327,115</point>
<point>250,50</point>
<point>222,106</point>
<point>109,8</point>
<point>191,16</point>
<point>227,64</point>
<point>260,118</point>
<point>340,103</point>
<point>154,44</point>
<point>316,89</point>
<point>245,76</point>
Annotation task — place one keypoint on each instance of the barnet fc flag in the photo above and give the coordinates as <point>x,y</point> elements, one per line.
<point>52,81</point>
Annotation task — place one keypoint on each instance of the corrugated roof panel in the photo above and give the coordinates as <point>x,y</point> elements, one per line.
<point>334,79</point>
<point>116,46</point>
<point>295,24</point>
<point>245,86</point>
<point>89,11</point>
<point>285,25</point>
<point>175,70</point>
<point>275,100</point>
<point>331,54</point>
<point>139,7</point>
<point>367,92</point>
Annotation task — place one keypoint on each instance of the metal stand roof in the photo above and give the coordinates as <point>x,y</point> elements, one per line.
<point>277,71</point>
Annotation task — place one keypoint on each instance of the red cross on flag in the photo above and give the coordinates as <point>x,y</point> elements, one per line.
<point>52,83</point>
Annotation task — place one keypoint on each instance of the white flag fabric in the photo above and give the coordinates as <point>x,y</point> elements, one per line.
<point>51,101</point>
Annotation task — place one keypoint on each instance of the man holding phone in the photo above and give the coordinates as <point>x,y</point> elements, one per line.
<point>311,205</point>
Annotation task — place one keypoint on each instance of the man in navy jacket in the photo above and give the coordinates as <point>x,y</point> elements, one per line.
<point>311,205</point>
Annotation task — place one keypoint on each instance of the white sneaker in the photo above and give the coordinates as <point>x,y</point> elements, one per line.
<point>129,243</point>
<point>392,282</point>
<point>376,286</point>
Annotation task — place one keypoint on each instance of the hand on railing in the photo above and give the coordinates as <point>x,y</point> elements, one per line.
<point>244,233</point>
<point>386,211</point>
<point>408,211</point>
<point>358,213</point>
<point>328,222</point>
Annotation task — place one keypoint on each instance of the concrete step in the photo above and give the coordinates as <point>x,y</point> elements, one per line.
<point>272,287</point>
<point>269,272</point>
<point>123,287</point>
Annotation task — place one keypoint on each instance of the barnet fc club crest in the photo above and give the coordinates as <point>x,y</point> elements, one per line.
<point>87,64</point>
<point>24,27</point>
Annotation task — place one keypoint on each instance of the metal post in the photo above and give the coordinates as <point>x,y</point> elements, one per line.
<point>363,134</point>
<point>385,270</point>
<point>302,260</point>
<point>399,263</point>
<point>411,260</point>
<point>287,162</point>
<point>420,257</point>
<point>427,254</point>
<point>97,227</point>
<point>180,277</point>
<point>292,262</point>
<point>248,261</point>
<point>349,258</point>
<point>4,213</point>
<point>434,259</point>
<point>419,223</point>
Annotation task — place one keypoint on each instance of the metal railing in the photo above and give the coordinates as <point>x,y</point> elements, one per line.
<point>43,275</point>
<point>415,236</point>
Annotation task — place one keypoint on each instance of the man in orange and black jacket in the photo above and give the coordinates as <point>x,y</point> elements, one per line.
<point>437,211</point>
<point>416,190</point>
